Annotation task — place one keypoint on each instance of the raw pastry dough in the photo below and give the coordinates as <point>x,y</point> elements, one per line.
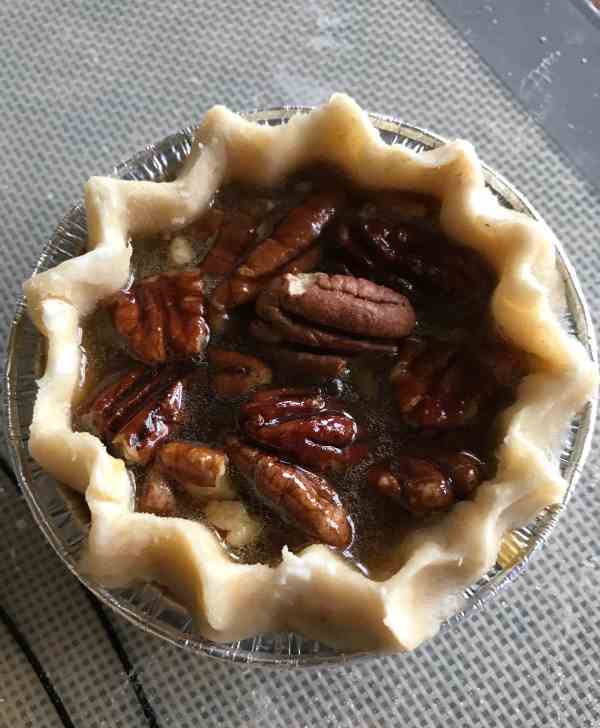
<point>315,592</point>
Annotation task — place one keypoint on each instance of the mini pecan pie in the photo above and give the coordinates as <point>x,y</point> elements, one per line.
<point>324,380</point>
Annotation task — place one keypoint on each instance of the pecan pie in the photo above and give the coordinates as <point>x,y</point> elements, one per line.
<point>325,378</point>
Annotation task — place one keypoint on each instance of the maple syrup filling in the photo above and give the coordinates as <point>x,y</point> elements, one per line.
<point>411,396</point>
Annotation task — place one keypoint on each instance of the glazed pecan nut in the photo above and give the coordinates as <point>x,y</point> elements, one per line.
<point>305,426</point>
<point>138,438</point>
<point>115,399</point>
<point>136,411</point>
<point>417,485</point>
<point>235,374</point>
<point>465,470</point>
<point>297,231</point>
<point>427,485</point>
<point>300,497</point>
<point>162,317</point>
<point>435,385</point>
<point>442,384</point>
<point>201,470</point>
<point>268,405</point>
<point>335,313</point>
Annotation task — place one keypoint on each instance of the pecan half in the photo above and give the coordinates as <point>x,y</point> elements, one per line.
<point>434,386</point>
<point>304,426</point>
<point>136,411</point>
<point>418,485</point>
<point>423,486</point>
<point>300,497</point>
<point>202,471</point>
<point>409,257</point>
<point>441,384</point>
<point>465,469</point>
<point>162,317</point>
<point>236,374</point>
<point>289,248</point>
<point>334,313</point>
<point>294,234</point>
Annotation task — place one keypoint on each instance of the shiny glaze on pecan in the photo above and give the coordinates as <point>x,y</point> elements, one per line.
<point>162,317</point>
<point>290,248</point>
<point>333,313</point>
<point>235,374</point>
<point>304,426</point>
<point>445,384</point>
<point>464,468</point>
<point>302,498</point>
<point>136,411</point>
<point>423,486</point>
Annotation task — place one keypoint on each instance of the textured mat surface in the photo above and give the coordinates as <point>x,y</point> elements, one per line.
<point>85,84</point>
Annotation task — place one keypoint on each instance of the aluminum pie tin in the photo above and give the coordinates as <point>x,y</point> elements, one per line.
<point>64,523</point>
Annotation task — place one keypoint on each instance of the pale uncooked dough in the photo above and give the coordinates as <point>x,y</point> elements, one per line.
<point>315,592</point>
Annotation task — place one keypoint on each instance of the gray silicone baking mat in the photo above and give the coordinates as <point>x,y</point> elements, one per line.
<point>548,54</point>
<point>85,84</point>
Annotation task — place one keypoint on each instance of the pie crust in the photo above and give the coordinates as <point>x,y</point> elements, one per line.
<point>315,592</point>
